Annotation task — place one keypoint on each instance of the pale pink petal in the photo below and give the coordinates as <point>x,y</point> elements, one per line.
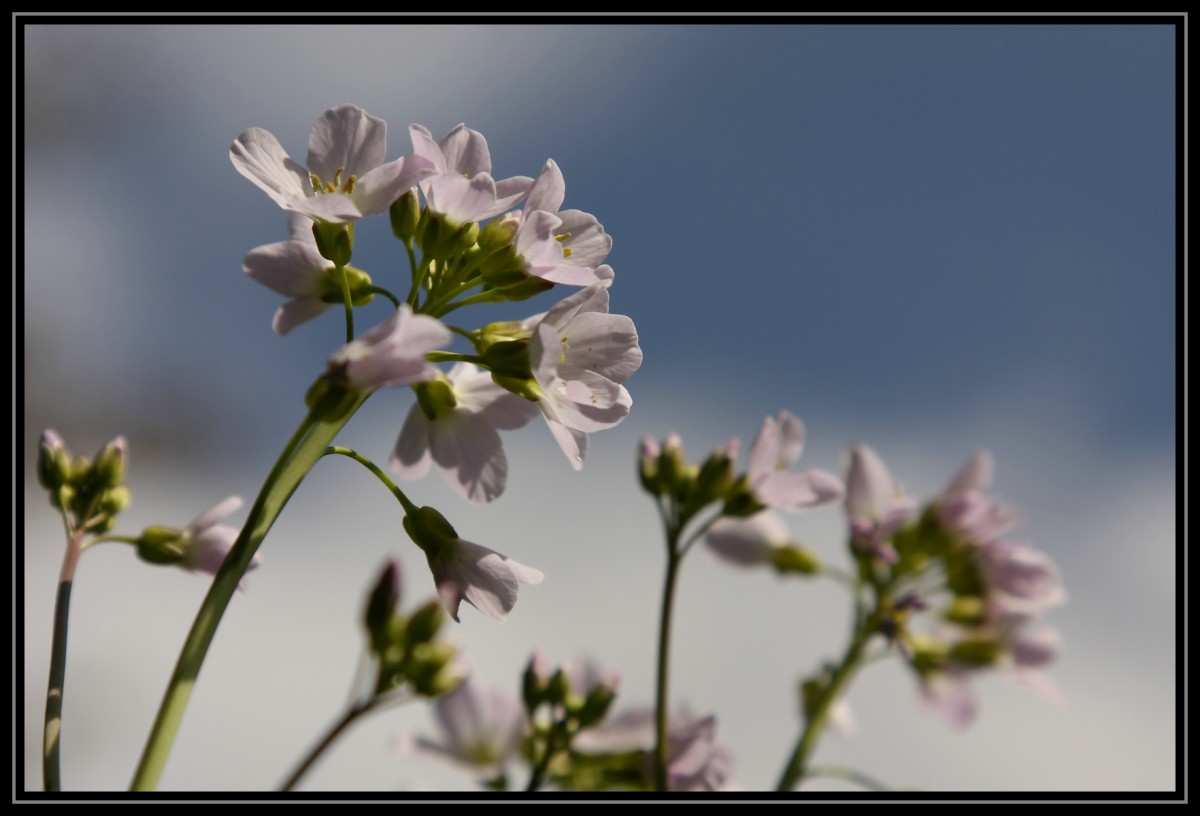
<point>747,542</point>
<point>460,199</point>
<point>951,697</point>
<point>214,514</point>
<point>604,344</point>
<point>574,443</point>
<point>589,243</point>
<point>376,191</point>
<point>592,299</point>
<point>548,191</point>
<point>976,474</point>
<point>410,456</point>
<point>764,452</point>
<point>604,273</point>
<point>466,151</point>
<point>509,192</point>
<point>791,431</point>
<point>469,455</point>
<point>290,268</point>
<point>491,584</point>
<point>1037,650</point>
<point>258,156</point>
<point>869,485</point>
<point>296,311</point>
<point>426,146</point>
<point>346,138</point>
<point>300,228</point>
<point>793,491</point>
<point>332,208</point>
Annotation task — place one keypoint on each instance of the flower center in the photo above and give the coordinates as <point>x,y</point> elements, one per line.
<point>334,186</point>
<point>562,239</point>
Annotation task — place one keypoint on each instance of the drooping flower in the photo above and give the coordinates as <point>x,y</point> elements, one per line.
<point>392,353</point>
<point>461,438</point>
<point>760,539</point>
<point>201,546</point>
<point>461,186</point>
<point>481,728</point>
<point>777,447</point>
<point>1022,582</point>
<point>580,354</point>
<point>296,269</point>
<point>463,571</point>
<point>346,177</point>
<point>874,506</point>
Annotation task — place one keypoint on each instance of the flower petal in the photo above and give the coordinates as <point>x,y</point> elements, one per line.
<point>549,190</point>
<point>258,156</point>
<point>460,199</point>
<point>605,344</point>
<point>976,474</point>
<point>746,542</point>
<point>791,431</point>
<point>466,152</point>
<point>869,485</point>
<point>509,193</point>
<point>376,190</point>
<point>469,455</point>
<point>410,456</point>
<point>349,139</point>
<point>592,299</point>
<point>214,514</point>
<point>573,443</point>
<point>290,268</point>
<point>765,450</point>
<point>794,491</point>
<point>426,146</point>
<point>589,243</point>
<point>296,311</point>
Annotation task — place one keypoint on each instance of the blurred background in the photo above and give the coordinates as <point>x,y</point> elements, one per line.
<point>929,239</point>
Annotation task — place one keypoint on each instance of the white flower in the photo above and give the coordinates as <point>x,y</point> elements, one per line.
<point>461,186</point>
<point>580,354</point>
<point>392,353</point>
<point>462,439</point>
<point>777,447</point>
<point>561,246</point>
<point>874,506</point>
<point>205,543</point>
<point>483,578</point>
<point>965,507</point>
<point>346,178</point>
<point>481,728</point>
<point>295,269</point>
<point>749,541</point>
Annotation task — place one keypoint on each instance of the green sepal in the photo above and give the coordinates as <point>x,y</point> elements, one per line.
<point>405,214</point>
<point>335,242</point>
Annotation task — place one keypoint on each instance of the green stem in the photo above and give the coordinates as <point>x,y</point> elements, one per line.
<point>379,290</point>
<point>52,734</point>
<point>538,776</point>
<point>352,714</point>
<point>338,450</point>
<point>454,357</point>
<point>674,558</point>
<point>412,267</point>
<point>444,307</point>
<point>815,724</point>
<point>848,774</point>
<point>297,459</point>
<point>341,273</point>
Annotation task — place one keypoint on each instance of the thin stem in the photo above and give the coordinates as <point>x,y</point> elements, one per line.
<point>409,507</point>
<point>814,726</point>
<point>848,774</point>
<point>52,734</point>
<point>539,770</point>
<point>674,558</point>
<point>297,459</point>
<point>697,535</point>
<point>379,290</point>
<point>443,307</point>
<point>412,267</point>
<point>352,714</point>
<point>454,357</point>
<point>341,273</point>
<point>470,335</point>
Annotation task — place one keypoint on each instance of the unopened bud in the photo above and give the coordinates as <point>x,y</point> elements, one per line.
<point>648,454</point>
<point>531,286</point>
<point>976,651</point>
<point>533,682</point>
<point>966,610</point>
<point>405,214</point>
<point>794,559</point>
<point>54,461</point>
<point>381,604</point>
<point>425,623</point>
<point>559,688</point>
<point>509,358</point>
<point>110,463</point>
<point>596,706</point>
<point>335,242</point>
<point>114,500</point>
<point>715,479</point>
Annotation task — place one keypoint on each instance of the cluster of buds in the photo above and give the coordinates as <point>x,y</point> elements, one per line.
<point>89,492</point>
<point>577,697</point>
<point>405,649</point>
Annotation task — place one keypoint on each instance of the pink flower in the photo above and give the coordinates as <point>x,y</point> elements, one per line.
<point>461,186</point>
<point>777,447</point>
<point>346,177</point>
<point>874,507</point>
<point>481,728</point>
<point>392,353</point>
<point>965,508</point>
<point>205,543</point>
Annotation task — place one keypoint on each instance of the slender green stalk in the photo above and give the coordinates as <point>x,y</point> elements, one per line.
<point>454,357</point>
<point>815,725</point>
<point>445,308</point>
<point>379,290</point>
<point>52,734</point>
<point>415,290</point>
<point>302,452</point>
<point>341,273</point>
<point>664,648</point>
<point>353,713</point>
<point>538,776</point>
<point>848,774</point>
<point>338,450</point>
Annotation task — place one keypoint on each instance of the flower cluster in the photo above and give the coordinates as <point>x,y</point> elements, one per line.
<point>466,244</point>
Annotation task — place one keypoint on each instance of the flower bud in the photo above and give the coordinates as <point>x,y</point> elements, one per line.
<point>715,479</point>
<point>440,239</point>
<point>559,687</point>
<point>429,530</point>
<point>672,468</point>
<point>81,472</point>
<point>500,232</point>
<point>429,670</point>
<point>425,623</point>
<point>114,500</point>
<point>976,651</point>
<point>534,683</point>
<point>335,242</point>
<point>405,214</point>
<point>509,358</point>
<point>794,559</point>
<point>529,287</point>
<point>596,706</point>
<point>54,461</point>
<point>110,463</point>
<point>967,610</point>
<point>381,604</point>
<point>648,454</point>
<point>161,545</point>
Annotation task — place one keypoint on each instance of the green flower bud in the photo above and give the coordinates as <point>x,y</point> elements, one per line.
<point>61,498</point>
<point>81,472</point>
<point>672,468</point>
<point>499,233</point>
<point>54,461</point>
<point>715,479</point>
<point>527,388</point>
<point>509,358</point>
<point>648,454</point>
<point>405,214</point>
<point>114,500</point>
<point>534,683</point>
<point>967,610</point>
<point>427,670</point>
<point>596,706</point>
<point>441,239</point>
<point>335,242</point>
<point>559,688</point>
<point>530,287</point>
<point>976,651</point>
<point>435,397</point>
<point>109,466</point>
<point>381,604</point>
<point>358,282</point>
<point>794,559</point>
<point>429,530</point>
<point>161,545</point>
<point>425,623</point>
<point>104,525</point>
<point>504,331</point>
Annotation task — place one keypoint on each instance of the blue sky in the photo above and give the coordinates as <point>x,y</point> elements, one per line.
<point>928,238</point>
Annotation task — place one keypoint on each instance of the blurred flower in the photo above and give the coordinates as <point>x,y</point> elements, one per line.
<point>392,353</point>
<point>205,543</point>
<point>874,506</point>
<point>749,541</point>
<point>461,186</point>
<point>1022,582</point>
<point>481,728</point>
<point>580,354</point>
<point>296,270</point>
<point>777,447</point>
<point>965,508</point>
<point>461,437</point>
<point>346,178</point>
